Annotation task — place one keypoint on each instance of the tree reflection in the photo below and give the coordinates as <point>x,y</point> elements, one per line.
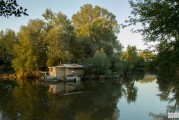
<point>7,104</point>
<point>33,101</point>
<point>159,116</point>
<point>169,91</point>
<point>29,100</point>
<point>130,90</point>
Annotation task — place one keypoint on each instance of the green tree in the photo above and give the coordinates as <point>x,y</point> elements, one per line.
<point>116,63</point>
<point>82,48</point>
<point>57,50</point>
<point>100,62</point>
<point>95,28</point>
<point>29,51</point>
<point>7,41</point>
<point>49,18</point>
<point>168,56</point>
<point>59,37</point>
<point>129,57</point>
<point>131,60</point>
<point>149,57</point>
<point>160,20</point>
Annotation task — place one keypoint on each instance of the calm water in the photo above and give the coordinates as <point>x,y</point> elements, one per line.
<point>136,97</point>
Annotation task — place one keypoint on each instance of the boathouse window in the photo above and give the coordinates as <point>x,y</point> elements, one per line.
<point>51,69</point>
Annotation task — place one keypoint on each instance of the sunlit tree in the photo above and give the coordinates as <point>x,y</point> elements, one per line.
<point>95,28</point>
<point>7,41</point>
<point>130,59</point>
<point>59,37</point>
<point>29,51</point>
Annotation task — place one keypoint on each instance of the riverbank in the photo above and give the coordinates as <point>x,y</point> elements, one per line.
<point>7,75</point>
<point>4,76</point>
<point>12,75</point>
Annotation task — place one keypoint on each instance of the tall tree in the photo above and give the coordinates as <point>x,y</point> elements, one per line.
<point>95,28</point>
<point>30,52</point>
<point>58,47</point>
<point>59,37</point>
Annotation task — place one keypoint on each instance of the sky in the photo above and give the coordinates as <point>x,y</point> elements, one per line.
<point>35,8</point>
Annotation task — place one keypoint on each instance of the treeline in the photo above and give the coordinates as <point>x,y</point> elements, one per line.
<point>89,38</point>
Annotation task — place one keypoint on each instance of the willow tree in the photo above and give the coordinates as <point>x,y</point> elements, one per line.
<point>29,51</point>
<point>160,20</point>
<point>58,39</point>
<point>95,28</point>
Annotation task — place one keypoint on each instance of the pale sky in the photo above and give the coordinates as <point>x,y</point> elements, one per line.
<point>35,8</point>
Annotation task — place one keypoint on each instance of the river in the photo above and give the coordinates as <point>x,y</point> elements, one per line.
<point>135,97</point>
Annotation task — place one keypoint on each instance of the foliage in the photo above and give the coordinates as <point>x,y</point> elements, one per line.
<point>159,18</point>
<point>160,23</point>
<point>131,60</point>
<point>59,37</point>
<point>116,63</point>
<point>88,14</point>
<point>7,40</point>
<point>100,62</point>
<point>95,28</point>
<point>82,48</point>
<point>92,35</point>
<point>10,7</point>
<point>149,58</point>
<point>168,56</point>
<point>29,50</point>
<point>147,55</point>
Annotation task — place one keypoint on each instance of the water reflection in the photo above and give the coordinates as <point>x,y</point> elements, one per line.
<point>65,88</point>
<point>148,78</point>
<point>90,100</point>
<point>169,92</point>
<point>30,101</point>
<point>129,88</point>
<point>6,98</point>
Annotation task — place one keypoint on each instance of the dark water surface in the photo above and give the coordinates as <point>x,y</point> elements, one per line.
<point>136,97</point>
